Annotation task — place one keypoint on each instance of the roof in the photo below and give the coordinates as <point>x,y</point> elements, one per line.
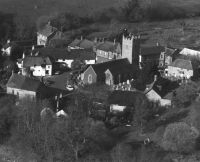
<point>163,86</point>
<point>23,43</point>
<point>47,30</point>
<point>85,43</point>
<point>63,53</point>
<point>183,64</point>
<point>75,43</point>
<point>124,69</point>
<point>114,64</point>
<point>126,98</point>
<point>170,51</point>
<point>23,82</point>
<point>153,50</point>
<point>107,46</point>
<point>36,61</point>
<point>187,51</point>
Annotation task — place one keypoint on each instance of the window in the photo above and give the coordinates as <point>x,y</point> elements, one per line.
<point>13,92</point>
<point>47,72</point>
<point>89,78</point>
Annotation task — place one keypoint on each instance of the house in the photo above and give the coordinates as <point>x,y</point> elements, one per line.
<point>23,86</point>
<point>111,72</point>
<point>120,100</point>
<point>150,53</point>
<point>45,34</point>
<point>159,91</point>
<point>81,44</point>
<point>107,51</point>
<point>67,56</point>
<point>35,65</point>
<point>16,47</point>
<point>180,68</point>
<point>167,57</point>
<point>189,52</point>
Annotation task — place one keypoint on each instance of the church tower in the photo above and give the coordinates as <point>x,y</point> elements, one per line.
<point>131,47</point>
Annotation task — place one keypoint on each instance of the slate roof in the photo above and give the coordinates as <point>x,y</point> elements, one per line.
<point>36,61</point>
<point>107,46</point>
<point>22,82</point>
<point>190,52</point>
<point>75,43</point>
<point>24,43</point>
<point>48,30</point>
<point>183,64</point>
<point>170,51</point>
<point>126,98</point>
<point>63,53</point>
<point>153,50</point>
<point>125,69</point>
<point>85,43</point>
<point>163,87</point>
<point>114,64</point>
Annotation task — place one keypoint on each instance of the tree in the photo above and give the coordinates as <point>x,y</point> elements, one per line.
<point>180,137</point>
<point>7,116</point>
<point>185,94</point>
<point>132,11</point>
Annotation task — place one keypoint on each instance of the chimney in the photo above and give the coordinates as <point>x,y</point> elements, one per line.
<point>157,44</point>
<point>95,40</point>
<point>23,56</point>
<point>8,41</point>
<point>33,47</point>
<point>69,49</point>
<point>49,23</point>
<point>81,37</point>
<point>140,58</point>
<point>155,78</point>
<point>114,41</point>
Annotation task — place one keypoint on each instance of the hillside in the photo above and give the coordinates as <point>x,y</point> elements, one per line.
<point>36,8</point>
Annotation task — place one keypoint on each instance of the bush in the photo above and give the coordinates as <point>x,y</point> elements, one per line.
<point>185,94</point>
<point>180,137</point>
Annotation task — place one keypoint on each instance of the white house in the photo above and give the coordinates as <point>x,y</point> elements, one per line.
<point>180,68</point>
<point>67,56</point>
<point>23,87</point>
<point>152,95</point>
<point>36,65</point>
<point>190,52</point>
<point>107,51</point>
<point>159,91</point>
<point>45,34</point>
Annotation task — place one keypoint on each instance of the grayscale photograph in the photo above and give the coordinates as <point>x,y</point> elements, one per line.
<point>99,80</point>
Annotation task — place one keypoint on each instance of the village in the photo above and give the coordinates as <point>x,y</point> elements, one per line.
<point>121,80</point>
<point>46,72</point>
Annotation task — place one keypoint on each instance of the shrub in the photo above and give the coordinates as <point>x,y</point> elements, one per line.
<point>180,137</point>
<point>185,94</point>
